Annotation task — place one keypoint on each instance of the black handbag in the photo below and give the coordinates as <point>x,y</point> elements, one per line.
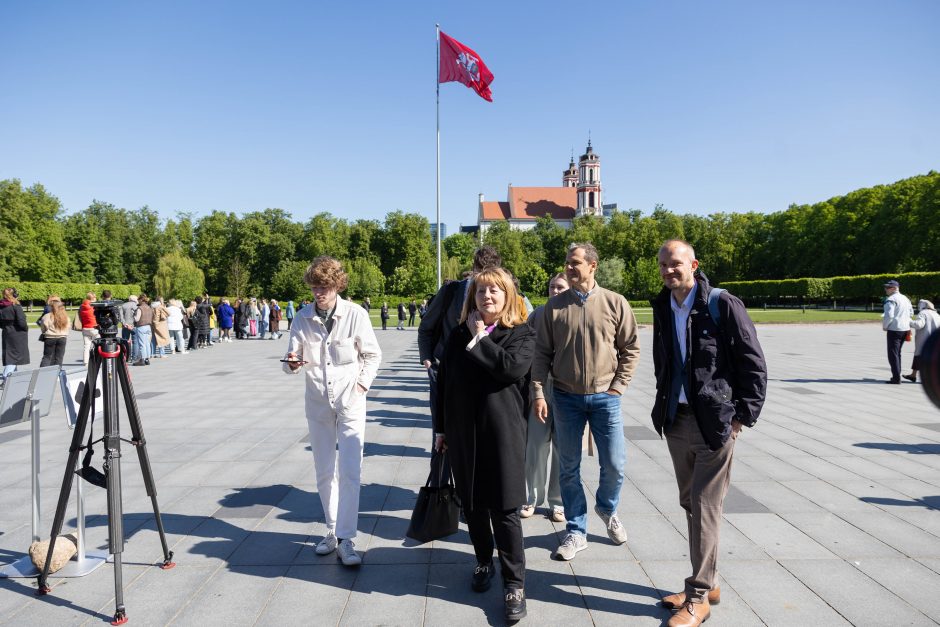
<point>436,511</point>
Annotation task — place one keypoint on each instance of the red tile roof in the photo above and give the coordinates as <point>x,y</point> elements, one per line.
<point>529,203</point>
<point>493,210</point>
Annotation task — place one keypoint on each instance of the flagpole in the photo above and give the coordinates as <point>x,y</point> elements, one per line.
<point>438,28</point>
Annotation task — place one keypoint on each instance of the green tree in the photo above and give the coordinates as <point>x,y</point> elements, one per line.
<point>459,247</point>
<point>408,261</point>
<point>610,273</point>
<point>32,242</point>
<point>288,282</point>
<point>643,279</point>
<point>214,248</point>
<point>96,238</point>
<point>555,242</point>
<point>364,240</point>
<point>365,279</point>
<point>143,246</point>
<point>178,276</point>
<point>325,234</point>
<point>238,279</point>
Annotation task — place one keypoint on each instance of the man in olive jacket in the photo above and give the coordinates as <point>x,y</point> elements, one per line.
<point>587,340</point>
<point>711,379</point>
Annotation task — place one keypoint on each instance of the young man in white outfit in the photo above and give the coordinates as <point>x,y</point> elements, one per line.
<point>332,341</point>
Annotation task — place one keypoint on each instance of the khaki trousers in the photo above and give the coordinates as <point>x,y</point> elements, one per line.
<point>703,476</point>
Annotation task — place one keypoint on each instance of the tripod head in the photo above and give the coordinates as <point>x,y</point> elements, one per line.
<point>107,315</point>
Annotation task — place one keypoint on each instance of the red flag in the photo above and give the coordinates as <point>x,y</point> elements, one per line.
<point>460,63</point>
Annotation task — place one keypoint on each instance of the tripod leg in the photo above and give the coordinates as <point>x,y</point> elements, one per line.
<point>140,443</point>
<point>84,410</point>
<point>112,464</point>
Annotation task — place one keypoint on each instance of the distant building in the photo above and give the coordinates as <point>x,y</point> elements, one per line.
<point>579,195</point>
<point>610,209</point>
<point>434,231</point>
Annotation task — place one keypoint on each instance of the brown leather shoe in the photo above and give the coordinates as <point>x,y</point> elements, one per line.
<point>677,600</point>
<point>691,615</point>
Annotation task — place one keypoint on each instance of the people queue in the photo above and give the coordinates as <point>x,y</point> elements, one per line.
<point>154,328</point>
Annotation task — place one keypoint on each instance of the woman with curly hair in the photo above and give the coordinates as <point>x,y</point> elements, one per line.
<point>332,341</point>
<point>482,405</point>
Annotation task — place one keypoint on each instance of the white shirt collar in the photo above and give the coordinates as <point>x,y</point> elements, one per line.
<point>686,304</point>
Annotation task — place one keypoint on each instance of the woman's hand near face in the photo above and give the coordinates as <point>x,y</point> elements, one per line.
<point>475,322</point>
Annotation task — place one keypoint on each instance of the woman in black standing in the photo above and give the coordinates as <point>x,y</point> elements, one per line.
<point>15,333</point>
<point>482,404</point>
<point>401,316</point>
<point>204,308</point>
<point>192,319</point>
<point>384,316</point>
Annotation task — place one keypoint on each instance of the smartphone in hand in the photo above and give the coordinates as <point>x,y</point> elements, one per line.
<point>294,361</point>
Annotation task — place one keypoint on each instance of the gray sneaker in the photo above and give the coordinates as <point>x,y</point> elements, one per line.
<point>615,530</point>
<point>346,553</point>
<point>570,546</point>
<point>327,545</point>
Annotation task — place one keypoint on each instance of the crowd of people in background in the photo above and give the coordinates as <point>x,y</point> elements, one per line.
<point>154,328</point>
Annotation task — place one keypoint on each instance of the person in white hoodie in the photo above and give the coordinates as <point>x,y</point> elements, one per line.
<point>925,325</point>
<point>896,324</point>
<point>333,343</point>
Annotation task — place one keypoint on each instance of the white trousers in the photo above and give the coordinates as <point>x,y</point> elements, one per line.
<point>88,336</point>
<point>337,443</point>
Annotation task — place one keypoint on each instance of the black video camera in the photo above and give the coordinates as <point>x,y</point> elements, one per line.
<point>107,315</point>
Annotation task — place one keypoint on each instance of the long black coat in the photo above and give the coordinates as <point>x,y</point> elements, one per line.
<point>15,334</point>
<point>482,404</point>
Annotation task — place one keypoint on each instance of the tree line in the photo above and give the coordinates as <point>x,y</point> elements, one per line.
<point>882,229</point>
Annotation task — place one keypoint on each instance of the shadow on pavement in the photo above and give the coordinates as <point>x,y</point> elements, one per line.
<point>929,448</point>
<point>930,502</point>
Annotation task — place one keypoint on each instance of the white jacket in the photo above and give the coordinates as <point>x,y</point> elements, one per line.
<point>174,320</point>
<point>350,354</point>
<point>927,322</point>
<point>898,312</point>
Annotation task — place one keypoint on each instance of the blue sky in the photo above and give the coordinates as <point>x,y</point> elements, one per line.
<point>728,105</point>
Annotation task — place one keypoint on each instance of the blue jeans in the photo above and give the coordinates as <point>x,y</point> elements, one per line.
<point>602,413</point>
<point>142,341</point>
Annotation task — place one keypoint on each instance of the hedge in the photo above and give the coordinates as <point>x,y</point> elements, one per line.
<point>35,291</point>
<point>913,284</point>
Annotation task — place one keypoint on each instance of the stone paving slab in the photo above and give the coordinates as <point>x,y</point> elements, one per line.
<point>833,517</point>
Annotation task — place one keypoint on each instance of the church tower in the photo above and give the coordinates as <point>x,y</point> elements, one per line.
<point>589,184</point>
<point>570,176</point>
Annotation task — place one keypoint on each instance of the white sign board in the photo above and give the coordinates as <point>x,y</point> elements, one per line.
<point>72,385</point>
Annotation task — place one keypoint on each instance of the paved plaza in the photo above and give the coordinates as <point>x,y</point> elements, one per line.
<point>833,516</point>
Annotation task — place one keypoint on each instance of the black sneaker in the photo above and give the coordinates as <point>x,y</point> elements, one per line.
<point>482,577</point>
<point>515,604</point>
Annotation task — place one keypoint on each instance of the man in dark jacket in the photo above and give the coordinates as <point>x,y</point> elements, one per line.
<point>711,379</point>
<point>443,315</point>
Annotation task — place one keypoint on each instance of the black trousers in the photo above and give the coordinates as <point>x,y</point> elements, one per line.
<point>53,350</point>
<point>506,529</point>
<point>895,342</point>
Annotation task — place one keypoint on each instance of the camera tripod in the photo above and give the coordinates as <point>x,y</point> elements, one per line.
<point>108,357</point>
